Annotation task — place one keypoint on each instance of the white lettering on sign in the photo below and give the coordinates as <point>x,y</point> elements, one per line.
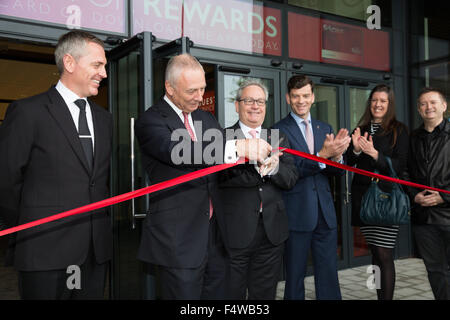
<point>232,19</point>
<point>191,12</point>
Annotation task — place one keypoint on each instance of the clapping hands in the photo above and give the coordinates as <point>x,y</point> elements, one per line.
<point>333,147</point>
<point>364,143</point>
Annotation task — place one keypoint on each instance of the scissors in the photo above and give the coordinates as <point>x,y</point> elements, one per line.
<point>267,160</point>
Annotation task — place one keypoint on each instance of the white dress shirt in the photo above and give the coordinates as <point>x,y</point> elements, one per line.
<point>69,98</point>
<point>179,112</point>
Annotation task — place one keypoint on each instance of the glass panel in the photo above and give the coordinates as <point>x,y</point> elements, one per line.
<point>231,85</point>
<point>126,269</point>
<point>429,59</point>
<point>355,9</point>
<point>325,105</point>
<point>358,99</point>
<point>244,26</point>
<point>360,247</point>
<point>325,109</point>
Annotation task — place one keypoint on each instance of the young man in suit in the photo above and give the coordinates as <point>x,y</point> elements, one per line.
<point>309,205</point>
<point>55,156</point>
<point>180,234</point>
<point>253,209</point>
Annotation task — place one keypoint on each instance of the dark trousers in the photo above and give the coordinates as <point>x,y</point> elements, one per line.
<point>56,284</point>
<point>322,242</point>
<point>433,244</point>
<point>206,282</point>
<point>256,268</point>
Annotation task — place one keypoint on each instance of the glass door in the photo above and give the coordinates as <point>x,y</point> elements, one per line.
<point>329,95</point>
<point>228,81</point>
<point>129,83</point>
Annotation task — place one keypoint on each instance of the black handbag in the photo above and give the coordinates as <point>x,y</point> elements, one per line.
<point>385,208</point>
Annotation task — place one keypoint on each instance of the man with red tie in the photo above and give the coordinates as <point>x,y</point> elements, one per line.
<point>182,233</point>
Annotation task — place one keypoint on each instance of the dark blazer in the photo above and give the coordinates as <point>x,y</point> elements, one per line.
<point>44,172</point>
<point>241,192</point>
<point>383,143</point>
<point>175,231</point>
<point>312,188</point>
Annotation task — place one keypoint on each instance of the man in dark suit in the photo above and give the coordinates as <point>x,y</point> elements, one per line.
<point>180,234</point>
<point>256,224</point>
<point>309,205</point>
<point>55,156</point>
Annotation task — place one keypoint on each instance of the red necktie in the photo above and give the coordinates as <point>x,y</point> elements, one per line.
<point>191,133</point>
<point>188,127</point>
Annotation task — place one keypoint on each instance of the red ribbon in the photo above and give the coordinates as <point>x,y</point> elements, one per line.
<point>124,197</point>
<point>359,171</point>
<point>195,175</point>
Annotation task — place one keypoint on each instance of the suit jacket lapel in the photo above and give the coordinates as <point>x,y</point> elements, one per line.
<point>173,120</point>
<point>319,136</point>
<point>60,112</point>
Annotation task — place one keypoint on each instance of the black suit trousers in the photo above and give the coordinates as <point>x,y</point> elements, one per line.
<point>256,268</point>
<point>52,285</point>
<point>206,282</point>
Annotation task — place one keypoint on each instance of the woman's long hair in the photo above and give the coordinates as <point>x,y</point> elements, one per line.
<point>389,123</point>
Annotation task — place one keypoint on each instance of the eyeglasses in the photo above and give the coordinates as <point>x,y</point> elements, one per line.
<point>250,101</point>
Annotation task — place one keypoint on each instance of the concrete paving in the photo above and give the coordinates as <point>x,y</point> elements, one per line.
<point>411,283</point>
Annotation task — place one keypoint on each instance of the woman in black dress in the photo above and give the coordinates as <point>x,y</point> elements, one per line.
<point>378,135</point>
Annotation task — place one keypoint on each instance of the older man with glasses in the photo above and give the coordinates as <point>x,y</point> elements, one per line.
<point>255,219</point>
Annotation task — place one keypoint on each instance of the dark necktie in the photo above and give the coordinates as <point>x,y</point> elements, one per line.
<point>84,133</point>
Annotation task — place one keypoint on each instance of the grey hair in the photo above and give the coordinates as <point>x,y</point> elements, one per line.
<point>73,43</point>
<point>179,63</point>
<point>251,82</point>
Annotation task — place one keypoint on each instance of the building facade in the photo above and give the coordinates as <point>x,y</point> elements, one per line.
<point>346,46</point>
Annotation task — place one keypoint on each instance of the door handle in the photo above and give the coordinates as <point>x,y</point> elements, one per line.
<point>347,193</point>
<point>132,157</point>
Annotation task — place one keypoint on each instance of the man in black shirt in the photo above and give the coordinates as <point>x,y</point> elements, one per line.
<point>429,164</point>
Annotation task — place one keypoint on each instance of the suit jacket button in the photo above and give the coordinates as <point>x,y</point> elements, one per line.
<point>260,189</point>
<point>92,184</point>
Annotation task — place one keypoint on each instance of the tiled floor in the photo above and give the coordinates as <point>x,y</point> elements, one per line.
<point>411,283</point>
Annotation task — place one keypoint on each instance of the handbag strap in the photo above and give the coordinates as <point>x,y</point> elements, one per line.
<point>392,172</point>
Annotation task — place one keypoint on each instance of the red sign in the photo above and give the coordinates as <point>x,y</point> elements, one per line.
<point>209,101</point>
<point>328,41</point>
<point>231,24</point>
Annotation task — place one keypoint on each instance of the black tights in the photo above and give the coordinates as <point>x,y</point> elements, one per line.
<point>384,259</point>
